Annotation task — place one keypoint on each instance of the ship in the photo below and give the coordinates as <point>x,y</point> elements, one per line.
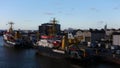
<point>16,39</point>
<point>56,46</point>
<point>47,46</point>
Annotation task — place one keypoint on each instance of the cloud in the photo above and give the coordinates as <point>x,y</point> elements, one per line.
<point>68,14</point>
<point>59,11</point>
<point>115,8</point>
<point>48,13</point>
<point>94,9</point>
<point>27,20</point>
<point>72,8</point>
<point>57,3</point>
<point>101,22</point>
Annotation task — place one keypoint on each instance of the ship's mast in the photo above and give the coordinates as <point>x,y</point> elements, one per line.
<point>54,21</point>
<point>11,29</point>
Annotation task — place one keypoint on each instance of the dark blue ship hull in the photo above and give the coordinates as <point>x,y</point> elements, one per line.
<point>50,52</point>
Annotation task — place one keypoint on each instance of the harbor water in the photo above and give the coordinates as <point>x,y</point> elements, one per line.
<point>27,58</point>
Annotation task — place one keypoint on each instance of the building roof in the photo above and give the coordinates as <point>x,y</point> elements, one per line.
<point>97,31</point>
<point>116,33</point>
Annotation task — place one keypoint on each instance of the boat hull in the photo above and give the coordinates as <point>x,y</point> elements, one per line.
<point>53,53</point>
<point>49,52</point>
<point>20,45</point>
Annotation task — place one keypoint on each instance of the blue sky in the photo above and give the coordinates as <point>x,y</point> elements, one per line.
<point>82,14</point>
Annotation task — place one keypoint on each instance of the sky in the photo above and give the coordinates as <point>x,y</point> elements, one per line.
<point>77,14</point>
